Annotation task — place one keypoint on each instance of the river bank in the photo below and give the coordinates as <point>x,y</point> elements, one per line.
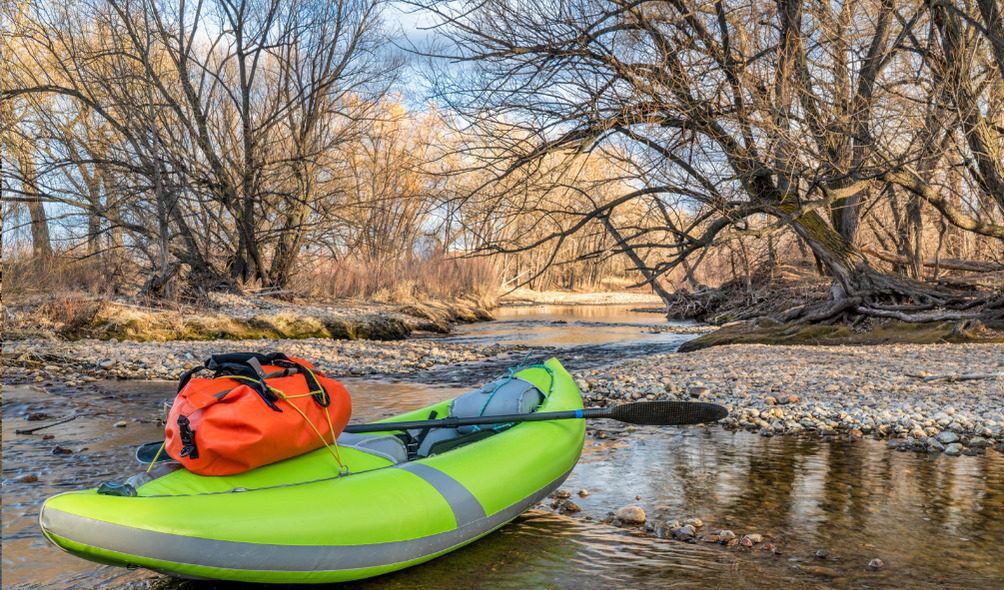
<point>225,316</point>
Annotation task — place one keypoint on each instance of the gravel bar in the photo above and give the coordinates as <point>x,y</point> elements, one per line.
<point>926,398</point>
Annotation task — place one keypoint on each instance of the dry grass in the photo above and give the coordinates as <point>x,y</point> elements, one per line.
<point>406,281</point>
<point>66,298</point>
<point>24,276</point>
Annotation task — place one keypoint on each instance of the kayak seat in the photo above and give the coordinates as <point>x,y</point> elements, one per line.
<point>507,395</point>
<point>382,445</point>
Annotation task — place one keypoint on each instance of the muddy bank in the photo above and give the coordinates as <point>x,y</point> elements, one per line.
<point>232,317</point>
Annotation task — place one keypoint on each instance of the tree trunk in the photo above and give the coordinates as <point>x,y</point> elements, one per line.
<point>41,246</point>
<point>853,277</point>
<point>979,133</point>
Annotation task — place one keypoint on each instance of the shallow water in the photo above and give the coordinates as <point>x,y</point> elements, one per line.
<point>935,521</point>
<point>587,336</point>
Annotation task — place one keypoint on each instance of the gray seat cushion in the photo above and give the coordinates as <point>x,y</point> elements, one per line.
<point>382,445</point>
<point>508,395</point>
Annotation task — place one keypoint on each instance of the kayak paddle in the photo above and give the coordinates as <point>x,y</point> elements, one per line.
<point>658,413</point>
<point>662,413</point>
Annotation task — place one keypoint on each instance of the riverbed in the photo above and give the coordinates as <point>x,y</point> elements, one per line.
<point>830,508</point>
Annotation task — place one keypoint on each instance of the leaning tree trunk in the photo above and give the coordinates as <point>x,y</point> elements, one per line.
<point>857,287</point>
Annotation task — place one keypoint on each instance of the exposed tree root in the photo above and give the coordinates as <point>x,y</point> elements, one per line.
<point>787,295</point>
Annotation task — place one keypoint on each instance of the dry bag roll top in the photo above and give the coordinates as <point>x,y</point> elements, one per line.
<point>255,410</point>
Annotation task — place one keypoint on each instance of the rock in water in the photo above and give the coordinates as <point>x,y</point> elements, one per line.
<point>631,514</point>
<point>569,507</point>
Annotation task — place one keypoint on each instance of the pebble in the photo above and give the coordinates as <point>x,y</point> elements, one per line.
<point>568,506</point>
<point>630,514</point>
<point>685,533</point>
<point>875,563</point>
<point>977,442</point>
<point>121,424</point>
<point>583,493</point>
<point>26,478</point>
<point>698,391</point>
<point>58,450</point>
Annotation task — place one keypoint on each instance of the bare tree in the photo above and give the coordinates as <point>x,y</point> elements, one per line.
<point>801,113</point>
<point>224,115</point>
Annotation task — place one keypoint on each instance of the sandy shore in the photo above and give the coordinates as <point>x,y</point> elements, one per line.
<point>885,390</point>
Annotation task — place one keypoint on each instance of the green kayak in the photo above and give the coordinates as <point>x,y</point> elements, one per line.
<point>407,497</point>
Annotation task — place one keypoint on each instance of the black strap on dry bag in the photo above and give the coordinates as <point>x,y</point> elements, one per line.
<point>248,366</point>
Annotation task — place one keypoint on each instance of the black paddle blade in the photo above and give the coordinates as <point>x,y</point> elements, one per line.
<point>666,413</point>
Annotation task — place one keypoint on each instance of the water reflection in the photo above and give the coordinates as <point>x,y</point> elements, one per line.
<point>561,325</point>
<point>925,517</point>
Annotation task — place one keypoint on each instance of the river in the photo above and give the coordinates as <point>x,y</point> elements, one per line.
<point>830,508</point>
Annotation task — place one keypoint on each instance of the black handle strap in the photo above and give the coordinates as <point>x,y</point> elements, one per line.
<point>247,367</point>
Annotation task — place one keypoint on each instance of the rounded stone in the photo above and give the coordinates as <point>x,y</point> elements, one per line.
<point>954,449</point>
<point>630,514</point>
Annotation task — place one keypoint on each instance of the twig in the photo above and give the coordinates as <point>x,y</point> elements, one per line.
<point>265,294</point>
<point>31,430</point>
<point>965,377</point>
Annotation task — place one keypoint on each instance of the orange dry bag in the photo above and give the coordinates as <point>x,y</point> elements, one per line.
<point>257,409</point>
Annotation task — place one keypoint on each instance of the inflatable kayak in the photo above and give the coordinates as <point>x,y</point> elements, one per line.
<point>407,496</point>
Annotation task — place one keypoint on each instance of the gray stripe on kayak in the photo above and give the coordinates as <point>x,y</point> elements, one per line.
<point>261,557</point>
<point>466,507</point>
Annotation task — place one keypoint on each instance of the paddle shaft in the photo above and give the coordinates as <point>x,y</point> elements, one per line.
<point>665,413</point>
